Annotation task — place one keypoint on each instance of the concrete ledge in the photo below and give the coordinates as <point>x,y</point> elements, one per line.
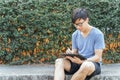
<point>46,72</point>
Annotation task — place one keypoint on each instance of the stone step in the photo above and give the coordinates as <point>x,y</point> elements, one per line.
<point>46,72</point>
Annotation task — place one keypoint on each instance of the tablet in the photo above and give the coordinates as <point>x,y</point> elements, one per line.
<point>72,55</point>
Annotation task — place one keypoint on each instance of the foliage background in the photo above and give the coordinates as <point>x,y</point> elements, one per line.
<point>37,31</point>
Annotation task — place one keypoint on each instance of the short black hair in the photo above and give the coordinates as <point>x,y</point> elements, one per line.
<point>79,13</point>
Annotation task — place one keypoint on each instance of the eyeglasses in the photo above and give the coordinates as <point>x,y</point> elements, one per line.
<point>79,24</point>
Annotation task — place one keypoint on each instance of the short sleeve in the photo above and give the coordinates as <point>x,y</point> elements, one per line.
<point>74,44</point>
<point>99,42</point>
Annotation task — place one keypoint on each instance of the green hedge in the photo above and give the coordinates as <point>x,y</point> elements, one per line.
<point>36,31</point>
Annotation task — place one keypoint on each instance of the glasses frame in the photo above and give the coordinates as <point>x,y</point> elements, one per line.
<point>79,24</point>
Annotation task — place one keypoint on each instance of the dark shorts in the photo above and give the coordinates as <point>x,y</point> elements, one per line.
<point>75,67</point>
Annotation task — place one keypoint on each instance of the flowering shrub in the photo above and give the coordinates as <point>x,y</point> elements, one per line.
<point>36,31</point>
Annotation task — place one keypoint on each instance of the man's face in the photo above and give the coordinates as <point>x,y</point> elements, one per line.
<point>80,24</point>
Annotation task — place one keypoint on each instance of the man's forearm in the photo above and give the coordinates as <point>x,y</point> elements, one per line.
<point>95,58</point>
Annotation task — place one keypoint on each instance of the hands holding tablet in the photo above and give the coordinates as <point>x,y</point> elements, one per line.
<point>74,57</point>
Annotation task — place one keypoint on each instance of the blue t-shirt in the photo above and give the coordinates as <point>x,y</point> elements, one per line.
<point>86,46</point>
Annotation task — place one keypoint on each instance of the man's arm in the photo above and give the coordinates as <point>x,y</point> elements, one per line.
<point>97,56</point>
<point>73,51</point>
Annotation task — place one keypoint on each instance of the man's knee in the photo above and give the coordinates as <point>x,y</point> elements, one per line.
<point>59,62</point>
<point>87,64</point>
<point>88,67</point>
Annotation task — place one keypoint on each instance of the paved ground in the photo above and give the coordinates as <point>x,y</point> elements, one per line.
<point>40,69</point>
<point>109,70</point>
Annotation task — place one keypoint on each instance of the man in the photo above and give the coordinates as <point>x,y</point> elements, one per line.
<point>87,41</point>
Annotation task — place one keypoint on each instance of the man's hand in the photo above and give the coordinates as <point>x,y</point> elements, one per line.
<point>69,51</point>
<point>75,59</point>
